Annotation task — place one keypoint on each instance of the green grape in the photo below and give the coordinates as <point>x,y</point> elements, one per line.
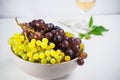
<point>24,56</point>
<point>21,47</point>
<point>52,45</point>
<point>37,48</point>
<point>57,56</point>
<point>26,48</point>
<point>20,53</point>
<point>48,48</point>
<point>42,55</point>
<point>48,58</point>
<point>38,42</point>
<point>58,61</point>
<point>82,47</point>
<point>67,58</point>
<point>31,59</point>
<point>22,38</point>
<point>17,42</point>
<point>58,51</point>
<point>68,34</point>
<point>33,41</point>
<point>34,50</point>
<point>47,53</point>
<point>30,54</point>
<point>15,49</point>
<point>53,61</point>
<point>16,35</point>
<point>62,54</point>
<point>45,40</point>
<point>31,45</point>
<point>43,61</point>
<point>52,52</point>
<point>36,56</point>
<point>44,45</point>
<point>11,41</point>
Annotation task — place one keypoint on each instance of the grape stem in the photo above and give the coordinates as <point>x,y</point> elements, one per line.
<point>23,26</point>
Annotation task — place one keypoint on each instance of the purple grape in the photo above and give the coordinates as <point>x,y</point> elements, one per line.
<point>78,41</point>
<point>58,38</point>
<point>76,48</point>
<point>49,36</point>
<point>38,35</point>
<point>49,26</point>
<point>65,44</point>
<point>70,52</point>
<point>80,61</point>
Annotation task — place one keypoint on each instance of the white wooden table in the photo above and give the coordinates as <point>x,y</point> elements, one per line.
<point>103,62</point>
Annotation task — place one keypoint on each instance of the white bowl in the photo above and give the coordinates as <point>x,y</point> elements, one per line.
<point>46,71</point>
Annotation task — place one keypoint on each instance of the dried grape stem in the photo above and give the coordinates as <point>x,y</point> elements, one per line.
<point>23,26</point>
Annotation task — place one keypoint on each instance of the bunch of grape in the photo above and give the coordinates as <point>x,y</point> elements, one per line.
<point>47,44</point>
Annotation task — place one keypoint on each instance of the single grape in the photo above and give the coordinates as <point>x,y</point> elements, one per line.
<point>65,44</point>
<point>42,55</point>
<point>38,35</point>
<point>31,59</point>
<point>36,56</point>
<point>34,50</point>
<point>83,55</point>
<point>47,53</point>
<point>53,32</point>
<point>70,52</point>
<point>43,61</point>
<point>76,48</point>
<point>44,45</point>
<point>80,61</point>
<point>49,27</point>
<point>78,41</point>
<point>29,54</point>
<point>49,36</point>
<point>68,34</point>
<point>48,58</point>
<point>67,58</point>
<point>61,31</point>
<point>33,41</point>
<point>52,45</point>
<point>53,61</point>
<point>38,42</point>
<point>22,38</point>
<point>82,47</point>
<point>56,27</point>
<point>58,38</point>
<point>31,45</point>
<point>24,56</point>
<point>45,40</point>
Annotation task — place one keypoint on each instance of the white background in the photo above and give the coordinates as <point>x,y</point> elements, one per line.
<point>53,8</point>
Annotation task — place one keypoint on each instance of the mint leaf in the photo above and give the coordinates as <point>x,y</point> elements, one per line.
<point>96,32</point>
<point>91,22</point>
<point>99,28</point>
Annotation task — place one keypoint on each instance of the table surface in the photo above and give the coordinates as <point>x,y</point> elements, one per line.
<point>103,52</point>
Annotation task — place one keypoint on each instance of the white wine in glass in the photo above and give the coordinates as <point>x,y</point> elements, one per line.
<point>85,5</point>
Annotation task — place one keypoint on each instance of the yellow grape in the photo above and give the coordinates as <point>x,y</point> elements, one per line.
<point>45,40</point>
<point>67,58</point>
<point>38,42</point>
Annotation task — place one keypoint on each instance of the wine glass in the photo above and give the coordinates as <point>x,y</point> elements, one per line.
<point>85,6</point>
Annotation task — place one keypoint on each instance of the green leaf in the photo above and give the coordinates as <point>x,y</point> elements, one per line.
<point>99,28</point>
<point>91,22</point>
<point>81,35</point>
<point>96,32</point>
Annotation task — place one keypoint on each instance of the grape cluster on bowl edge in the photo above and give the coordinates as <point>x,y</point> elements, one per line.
<point>46,43</point>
